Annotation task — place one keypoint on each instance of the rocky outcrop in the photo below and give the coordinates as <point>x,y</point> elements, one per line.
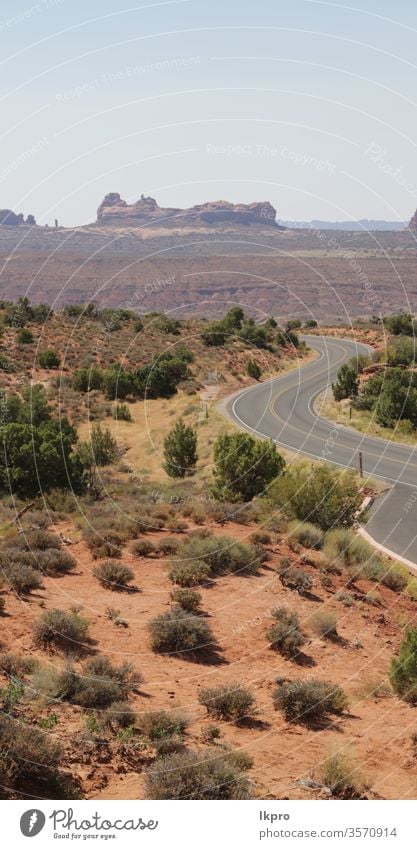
<point>115,212</point>
<point>10,219</point>
<point>413,223</point>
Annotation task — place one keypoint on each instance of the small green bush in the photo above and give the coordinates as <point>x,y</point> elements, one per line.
<point>67,631</point>
<point>113,575</point>
<point>192,775</point>
<point>179,632</point>
<point>306,534</point>
<point>190,574</point>
<point>121,412</point>
<point>403,674</point>
<point>24,336</point>
<point>160,724</point>
<point>285,634</point>
<point>48,359</point>
<point>187,598</point>
<point>167,545</point>
<point>223,555</point>
<point>308,700</point>
<point>230,701</point>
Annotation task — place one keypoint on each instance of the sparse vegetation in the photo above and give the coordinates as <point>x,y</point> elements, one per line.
<point>113,575</point>
<point>191,775</point>
<point>285,634</point>
<point>403,674</point>
<point>231,702</point>
<point>308,700</point>
<point>179,632</point>
<point>67,631</point>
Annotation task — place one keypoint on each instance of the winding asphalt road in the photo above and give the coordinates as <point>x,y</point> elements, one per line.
<point>282,409</point>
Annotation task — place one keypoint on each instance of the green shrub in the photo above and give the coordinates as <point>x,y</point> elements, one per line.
<point>160,724</point>
<point>285,634</point>
<point>222,554</point>
<point>48,359</point>
<point>403,674</point>
<point>100,450</point>
<point>253,370</point>
<point>67,631</point>
<point>113,575</point>
<point>319,494</point>
<point>192,775</point>
<point>180,451</point>
<point>244,466</point>
<point>190,573</point>
<point>306,534</point>
<point>179,632</point>
<point>308,700</point>
<point>24,336</point>
<point>121,412</point>
<point>324,623</point>
<point>229,701</point>
<point>23,579</point>
<point>187,598</point>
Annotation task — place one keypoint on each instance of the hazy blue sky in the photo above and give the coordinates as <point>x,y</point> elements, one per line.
<point>311,105</point>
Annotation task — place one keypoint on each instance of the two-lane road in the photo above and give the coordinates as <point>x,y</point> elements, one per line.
<point>281,409</point>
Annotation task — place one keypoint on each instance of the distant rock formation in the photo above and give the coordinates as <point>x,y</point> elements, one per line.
<point>10,219</point>
<point>116,212</point>
<point>413,223</point>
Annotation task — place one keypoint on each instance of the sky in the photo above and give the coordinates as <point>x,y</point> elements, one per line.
<point>310,105</point>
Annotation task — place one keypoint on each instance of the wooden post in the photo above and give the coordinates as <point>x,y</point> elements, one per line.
<point>360,464</point>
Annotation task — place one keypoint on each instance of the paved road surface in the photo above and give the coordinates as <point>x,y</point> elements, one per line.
<point>282,409</point>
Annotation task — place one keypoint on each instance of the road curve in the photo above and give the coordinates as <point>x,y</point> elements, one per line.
<point>281,409</point>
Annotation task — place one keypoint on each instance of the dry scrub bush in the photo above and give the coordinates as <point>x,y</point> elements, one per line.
<point>160,724</point>
<point>308,700</point>
<point>305,534</point>
<point>285,634</point>
<point>179,632</point>
<point>230,701</point>
<point>194,775</point>
<point>66,631</point>
<point>324,623</point>
<point>186,598</point>
<point>113,576</point>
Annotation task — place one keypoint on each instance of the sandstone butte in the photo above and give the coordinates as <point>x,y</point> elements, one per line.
<point>114,211</point>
